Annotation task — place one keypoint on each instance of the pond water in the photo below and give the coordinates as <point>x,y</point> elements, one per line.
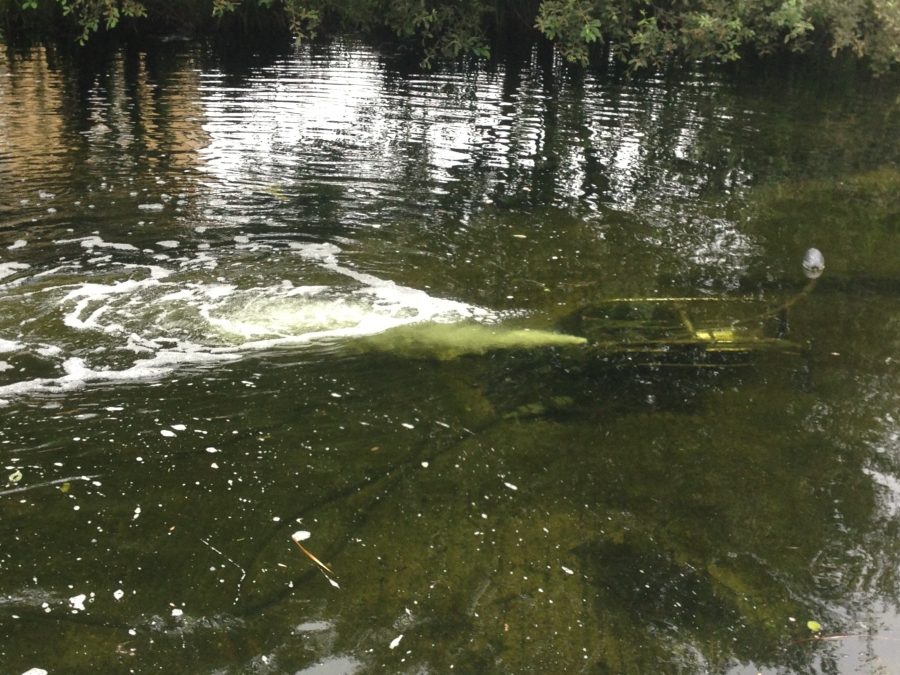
<point>530,355</point>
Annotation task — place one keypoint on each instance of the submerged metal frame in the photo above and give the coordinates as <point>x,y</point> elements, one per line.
<point>675,336</point>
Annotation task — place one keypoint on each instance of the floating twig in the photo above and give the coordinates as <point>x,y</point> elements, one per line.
<point>301,536</point>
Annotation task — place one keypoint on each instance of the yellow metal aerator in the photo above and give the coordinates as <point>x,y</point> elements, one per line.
<point>692,331</point>
<point>679,331</point>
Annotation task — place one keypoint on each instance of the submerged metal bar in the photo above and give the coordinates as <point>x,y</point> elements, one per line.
<point>744,299</point>
<point>686,320</point>
<point>786,305</point>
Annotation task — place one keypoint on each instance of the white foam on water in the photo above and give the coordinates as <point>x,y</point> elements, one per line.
<point>151,320</point>
<point>78,374</point>
<point>9,346</point>
<point>97,242</point>
<point>8,269</point>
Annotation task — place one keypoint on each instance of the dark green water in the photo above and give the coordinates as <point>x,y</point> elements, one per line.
<point>324,294</point>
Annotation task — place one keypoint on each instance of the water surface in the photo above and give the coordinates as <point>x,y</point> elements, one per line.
<point>420,317</point>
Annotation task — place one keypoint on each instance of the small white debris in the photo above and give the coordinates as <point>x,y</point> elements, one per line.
<point>333,582</point>
<point>211,450</point>
<point>335,395</point>
<point>567,570</point>
<point>484,515</point>
<point>132,631</point>
<point>395,642</point>
<point>19,243</point>
<point>301,535</point>
<point>276,519</point>
<point>179,427</point>
<point>114,408</point>
<point>214,465</point>
<point>424,465</point>
<point>78,601</point>
<point>137,512</point>
<point>168,243</point>
<point>407,425</point>
<point>118,595</point>
<point>151,207</point>
<point>35,671</point>
<point>167,433</point>
<point>511,486</point>
<point>177,612</point>
<point>46,195</point>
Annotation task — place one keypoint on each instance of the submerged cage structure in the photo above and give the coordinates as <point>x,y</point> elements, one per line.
<point>684,331</point>
<point>691,331</point>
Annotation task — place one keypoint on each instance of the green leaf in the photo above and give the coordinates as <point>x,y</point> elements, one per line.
<point>814,626</point>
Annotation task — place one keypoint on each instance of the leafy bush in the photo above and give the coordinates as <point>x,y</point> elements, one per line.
<point>640,33</point>
<point>647,32</point>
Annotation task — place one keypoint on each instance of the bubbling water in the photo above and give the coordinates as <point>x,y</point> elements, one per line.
<point>67,327</point>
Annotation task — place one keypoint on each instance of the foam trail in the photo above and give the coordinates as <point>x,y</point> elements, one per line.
<point>156,320</point>
<point>78,374</point>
